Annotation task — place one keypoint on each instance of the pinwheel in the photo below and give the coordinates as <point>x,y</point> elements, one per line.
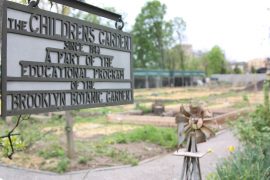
<point>197,120</point>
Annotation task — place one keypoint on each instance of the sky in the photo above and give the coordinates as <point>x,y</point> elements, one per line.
<point>240,27</point>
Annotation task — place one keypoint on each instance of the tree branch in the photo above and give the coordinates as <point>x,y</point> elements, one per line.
<point>10,134</point>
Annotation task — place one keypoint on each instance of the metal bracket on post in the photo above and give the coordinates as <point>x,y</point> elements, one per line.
<point>33,3</point>
<point>119,24</point>
<point>93,10</point>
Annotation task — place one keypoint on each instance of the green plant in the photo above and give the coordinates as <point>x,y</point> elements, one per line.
<point>122,156</point>
<point>162,136</point>
<point>62,165</point>
<point>84,159</point>
<point>245,98</point>
<point>266,96</point>
<point>243,103</point>
<point>252,163</point>
<point>93,119</point>
<point>52,152</point>
<point>143,108</point>
<point>165,137</point>
<point>56,120</point>
<point>127,158</point>
<point>5,147</point>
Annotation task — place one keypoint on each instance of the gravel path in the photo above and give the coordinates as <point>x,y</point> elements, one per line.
<point>167,167</point>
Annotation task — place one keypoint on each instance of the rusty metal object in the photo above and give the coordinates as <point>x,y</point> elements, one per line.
<point>192,128</point>
<point>193,120</point>
<point>158,108</point>
<point>191,166</point>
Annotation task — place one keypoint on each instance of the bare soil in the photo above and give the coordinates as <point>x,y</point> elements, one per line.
<point>141,150</point>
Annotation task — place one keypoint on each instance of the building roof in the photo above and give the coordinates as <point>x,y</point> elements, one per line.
<point>166,73</point>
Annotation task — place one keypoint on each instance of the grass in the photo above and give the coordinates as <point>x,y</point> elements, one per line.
<point>103,110</point>
<point>244,103</point>
<point>102,119</point>
<point>116,155</point>
<point>165,137</point>
<point>84,159</point>
<point>53,151</point>
<point>143,108</point>
<point>86,151</point>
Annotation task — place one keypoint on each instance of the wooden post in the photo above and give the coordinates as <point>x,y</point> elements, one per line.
<point>1,15</point>
<point>69,133</point>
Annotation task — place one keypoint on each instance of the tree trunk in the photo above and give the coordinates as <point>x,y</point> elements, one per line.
<point>69,133</point>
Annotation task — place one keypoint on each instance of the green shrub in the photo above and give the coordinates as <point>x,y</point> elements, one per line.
<point>253,163</point>
<point>143,108</point>
<point>62,165</point>
<point>84,159</point>
<point>29,132</point>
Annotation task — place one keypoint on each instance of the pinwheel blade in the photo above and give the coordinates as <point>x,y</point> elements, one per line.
<point>184,111</point>
<point>181,133</point>
<point>211,124</point>
<point>207,131</point>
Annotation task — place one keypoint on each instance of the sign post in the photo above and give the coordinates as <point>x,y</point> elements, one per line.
<point>52,62</point>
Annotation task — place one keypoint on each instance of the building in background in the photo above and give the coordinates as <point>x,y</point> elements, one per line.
<point>257,65</point>
<point>144,78</point>
<point>242,67</point>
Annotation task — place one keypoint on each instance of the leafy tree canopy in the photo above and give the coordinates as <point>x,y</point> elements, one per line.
<point>151,36</point>
<point>216,62</point>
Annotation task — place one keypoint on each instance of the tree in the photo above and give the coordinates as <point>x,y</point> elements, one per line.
<point>176,58</point>
<point>171,59</point>
<point>253,70</point>
<point>216,62</point>
<point>237,70</point>
<point>151,36</point>
<point>179,27</point>
<point>196,63</point>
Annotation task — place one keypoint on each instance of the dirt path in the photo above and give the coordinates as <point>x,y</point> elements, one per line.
<point>167,167</point>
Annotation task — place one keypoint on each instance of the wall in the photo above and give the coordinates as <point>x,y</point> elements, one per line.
<point>239,79</point>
